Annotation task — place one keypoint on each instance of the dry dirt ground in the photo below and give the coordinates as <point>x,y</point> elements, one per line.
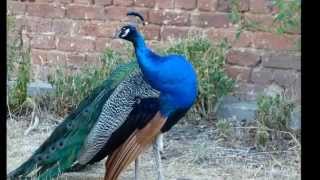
<point>191,152</point>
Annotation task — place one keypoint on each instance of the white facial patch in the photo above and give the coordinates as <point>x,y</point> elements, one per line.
<point>126,32</point>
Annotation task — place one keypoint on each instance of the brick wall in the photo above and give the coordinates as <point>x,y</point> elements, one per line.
<point>74,32</point>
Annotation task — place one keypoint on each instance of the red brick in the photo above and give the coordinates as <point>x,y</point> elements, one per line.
<point>45,10</point>
<point>164,4</point>
<point>97,29</point>
<point>93,58</point>
<point>116,13</point>
<point>56,57</point>
<point>217,35</point>
<point>244,40</point>
<point>265,40</point>
<point>169,18</point>
<point>260,6</point>
<point>45,1</point>
<point>85,12</point>
<point>223,6</point>
<point>39,57</point>
<point>102,44</point>
<point>86,2</point>
<point>264,22</point>
<point>261,76</point>
<point>123,2</point>
<point>62,26</point>
<point>207,5</point>
<point>103,2</point>
<point>185,4</point>
<point>38,25</point>
<point>144,3</point>
<point>117,44</point>
<point>174,32</point>
<point>16,8</point>
<point>151,32</point>
<point>243,58</point>
<point>64,1</point>
<point>66,43</point>
<point>238,73</point>
<point>43,42</point>
<point>210,20</point>
<point>76,59</point>
<point>283,61</point>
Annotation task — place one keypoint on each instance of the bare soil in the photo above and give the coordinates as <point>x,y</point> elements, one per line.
<point>191,152</point>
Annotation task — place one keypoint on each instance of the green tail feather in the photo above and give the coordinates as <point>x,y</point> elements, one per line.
<point>59,152</point>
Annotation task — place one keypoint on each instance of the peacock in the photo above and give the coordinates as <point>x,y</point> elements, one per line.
<point>122,117</point>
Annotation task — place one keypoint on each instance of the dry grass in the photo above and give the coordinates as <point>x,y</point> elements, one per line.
<point>191,152</point>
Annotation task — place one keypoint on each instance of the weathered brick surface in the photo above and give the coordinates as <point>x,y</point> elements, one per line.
<point>262,76</point>
<point>260,6</point>
<point>65,43</point>
<point>39,56</point>
<point>86,2</point>
<point>151,32</point>
<point>239,73</point>
<point>169,18</point>
<point>85,12</point>
<point>16,8</point>
<point>284,78</point>
<point>96,29</point>
<point>210,20</point>
<point>185,4</point>
<point>283,61</point>
<point>266,40</point>
<point>123,2</point>
<point>144,3</point>
<point>243,57</point>
<point>173,32</point>
<point>103,2</point>
<point>43,42</point>
<point>76,59</point>
<point>206,5</point>
<point>56,57</point>
<point>101,44</point>
<point>45,10</point>
<point>75,32</point>
<point>164,4</point>
<point>115,13</point>
<point>62,26</point>
<point>38,25</point>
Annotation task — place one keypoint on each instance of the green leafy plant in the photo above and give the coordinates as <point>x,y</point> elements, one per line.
<point>70,89</point>
<point>288,15</point>
<point>19,64</point>
<point>273,116</point>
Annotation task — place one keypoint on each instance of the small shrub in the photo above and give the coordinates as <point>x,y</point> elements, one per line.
<point>70,89</point>
<point>19,64</point>
<point>273,118</point>
<point>224,128</point>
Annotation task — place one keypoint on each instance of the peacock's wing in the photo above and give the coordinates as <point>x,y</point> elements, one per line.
<point>61,149</point>
<point>116,114</point>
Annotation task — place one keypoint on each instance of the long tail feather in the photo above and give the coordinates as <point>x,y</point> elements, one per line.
<point>59,152</point>
<point>139,141</point>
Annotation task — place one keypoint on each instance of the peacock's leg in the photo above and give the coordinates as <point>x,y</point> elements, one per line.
<point>157,147</point>
<point>136,169</point>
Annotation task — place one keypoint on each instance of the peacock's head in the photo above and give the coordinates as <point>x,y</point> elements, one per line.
<point>129,31</point>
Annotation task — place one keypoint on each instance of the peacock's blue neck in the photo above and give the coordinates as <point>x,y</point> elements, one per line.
<point>172,75</point>
<point>145,57</point>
